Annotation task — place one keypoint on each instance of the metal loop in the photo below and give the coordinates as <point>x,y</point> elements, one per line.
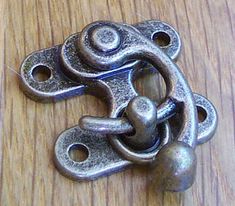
<point>150,29</point>
<point>107,56</point>
<point>101,159</point>
<point>143,156</point>
<point>207,126</point>
<point>136,46</point>
<point>121,125</point>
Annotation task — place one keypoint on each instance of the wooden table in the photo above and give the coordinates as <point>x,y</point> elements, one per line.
<point>29,129</point>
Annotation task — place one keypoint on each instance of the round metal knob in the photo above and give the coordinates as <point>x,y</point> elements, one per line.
<point>138,125</point>
<point>105,38</point>
<point>142,114</point>
<point>175,167</point>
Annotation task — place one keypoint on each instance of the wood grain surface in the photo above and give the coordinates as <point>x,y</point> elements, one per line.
<point>29,129</point>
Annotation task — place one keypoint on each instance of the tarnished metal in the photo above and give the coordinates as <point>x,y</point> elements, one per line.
<point>103,60</point>
<point>206,127</point>
<point>142,114</point>
<point>102,159</point>
<point>121,125</point>
<point>176,167</point>
<point>59,86</point>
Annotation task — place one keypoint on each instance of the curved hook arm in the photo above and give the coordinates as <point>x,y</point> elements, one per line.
<point>136,46</point>
<point>121,125</point>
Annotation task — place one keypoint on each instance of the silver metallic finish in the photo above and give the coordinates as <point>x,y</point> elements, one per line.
<point>152,27</point>
<point>105,39</point>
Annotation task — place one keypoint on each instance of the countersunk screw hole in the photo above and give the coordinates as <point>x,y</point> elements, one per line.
<point>201,114</point>
<point>78,153</point>
<point>162,39</point>
<point>41,73</point>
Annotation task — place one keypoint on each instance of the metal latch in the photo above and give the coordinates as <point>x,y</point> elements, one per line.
<point>103,60</point>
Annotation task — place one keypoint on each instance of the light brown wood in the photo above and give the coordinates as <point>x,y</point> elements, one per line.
<point>29,129</point>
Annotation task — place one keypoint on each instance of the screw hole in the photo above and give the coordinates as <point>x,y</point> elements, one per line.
<point>78,153</point>
<point>41,73</point>
<point>201,114</point>
<point>162,39</point>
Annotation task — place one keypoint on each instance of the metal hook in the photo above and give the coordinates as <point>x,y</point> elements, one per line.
<point>103,60</point>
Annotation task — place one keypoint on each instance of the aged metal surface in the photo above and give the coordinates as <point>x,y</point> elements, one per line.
<point>142,114</point>
<point>206,127</point>
<point>121,125</point>
<point>103,60</point>
<point>136,46</point>
<point>176,165</point>
<point>102,160</point>
<point>58,86</point>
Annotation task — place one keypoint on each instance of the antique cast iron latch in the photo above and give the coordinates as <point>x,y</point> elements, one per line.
<point>103,60</point>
